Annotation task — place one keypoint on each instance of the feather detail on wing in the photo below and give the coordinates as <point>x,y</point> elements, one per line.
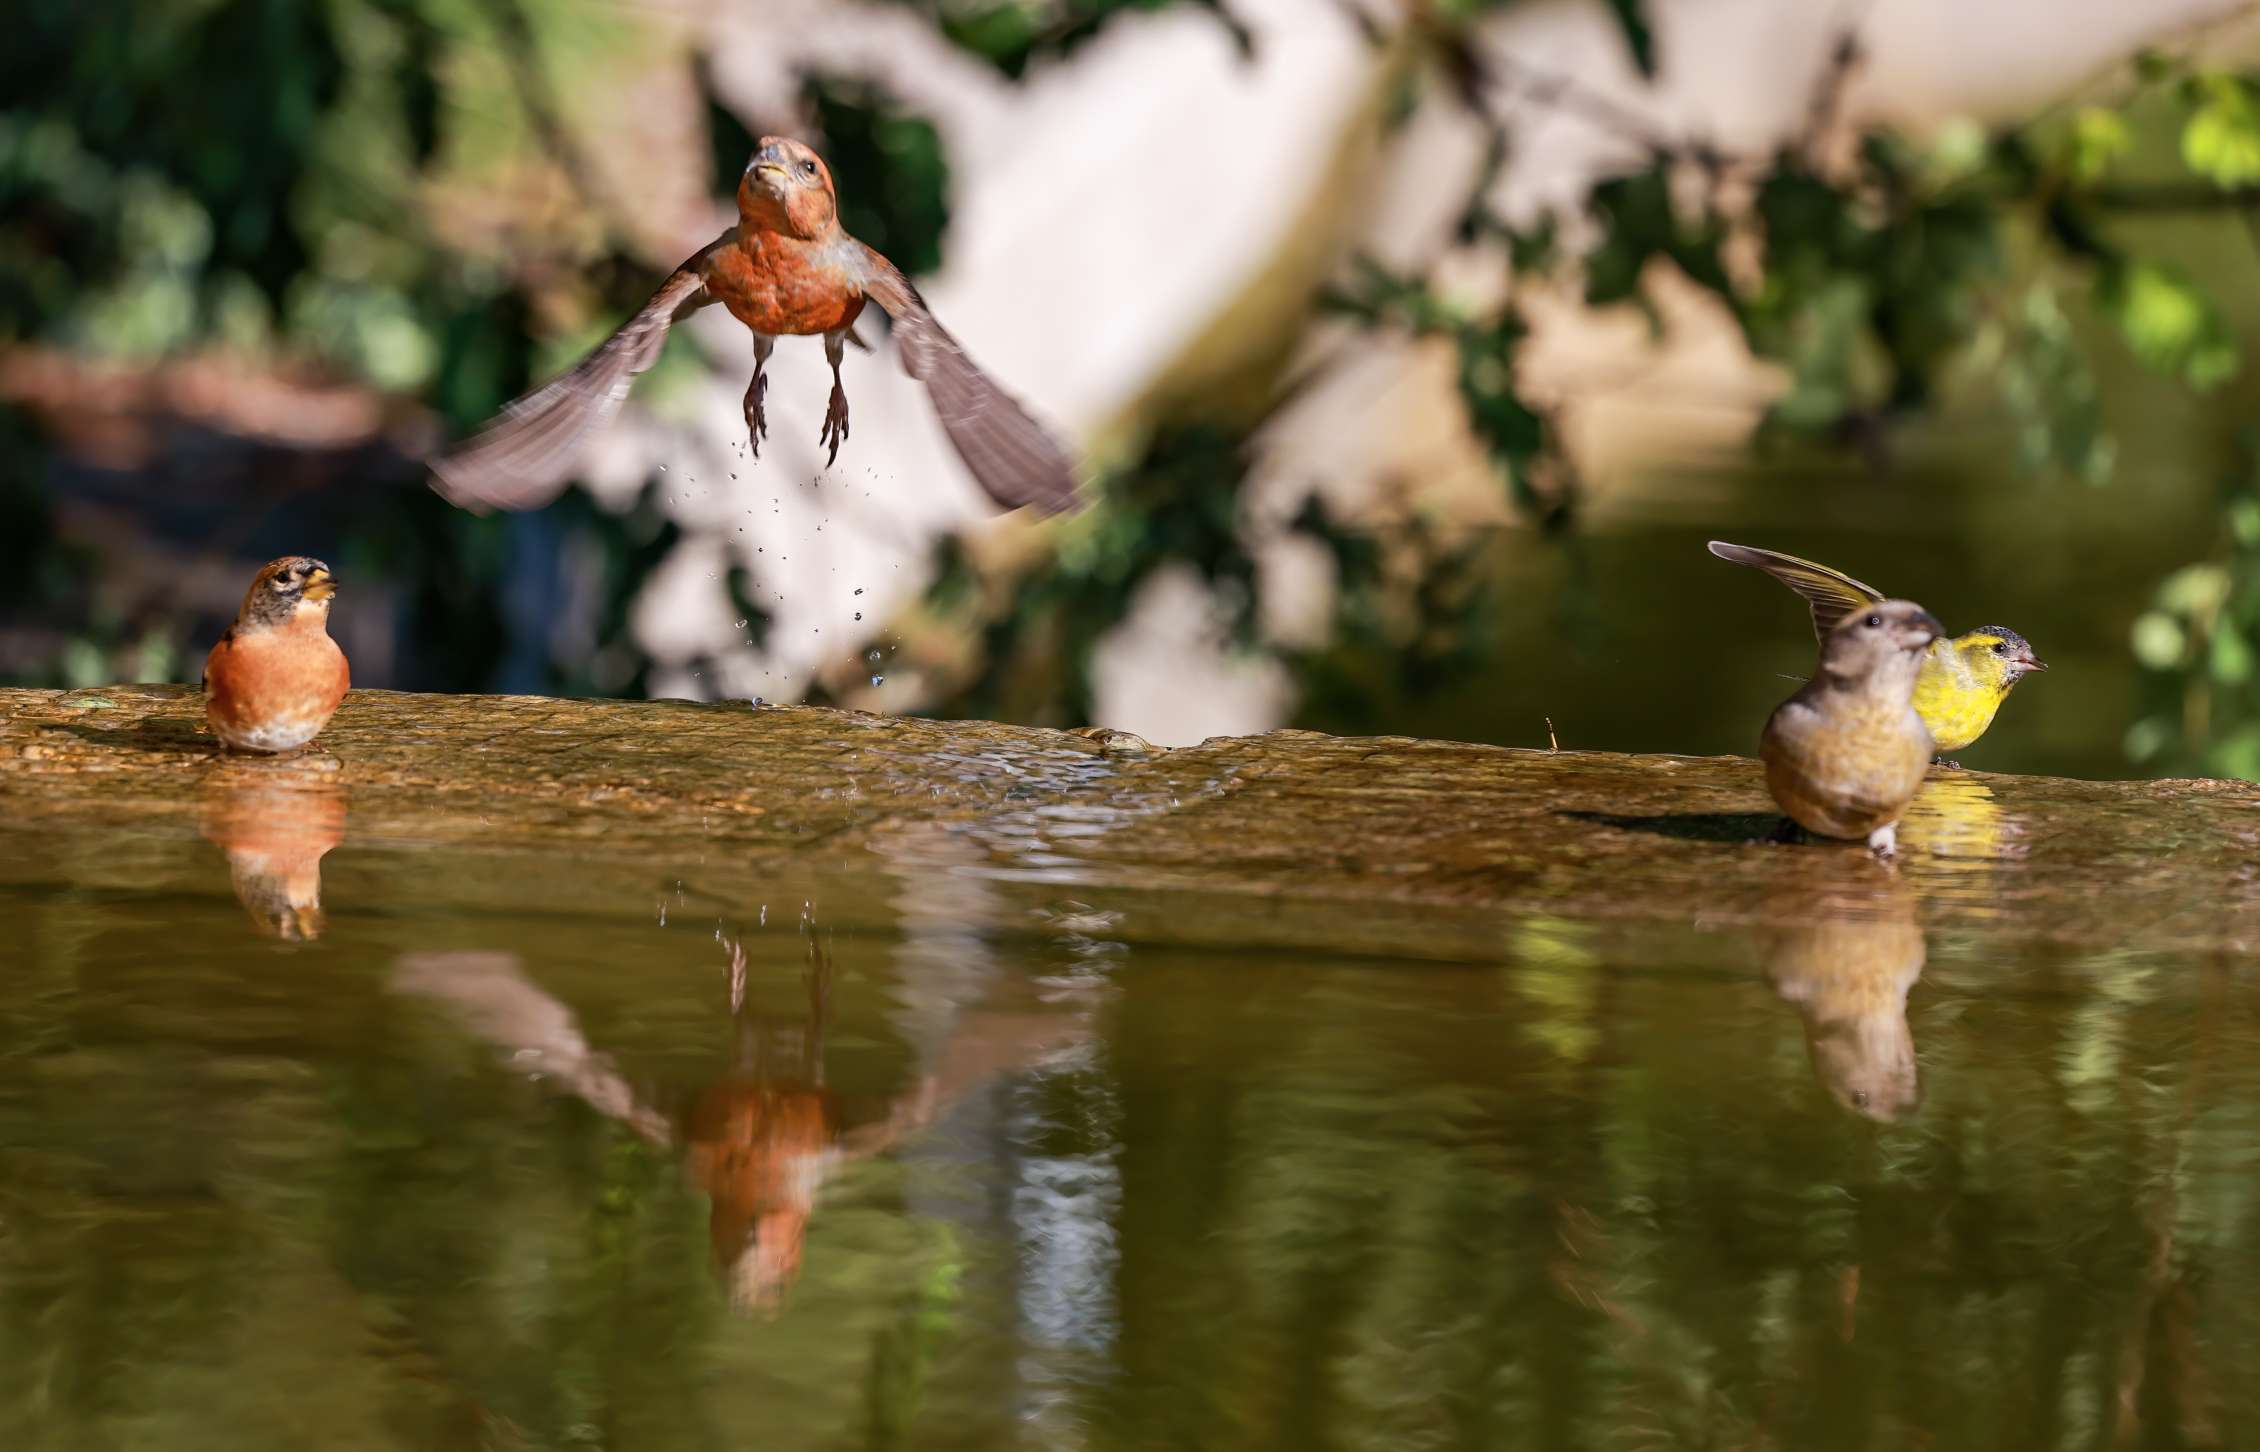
<point>522,457</point>
<point>1014,459</point>
<point>1832,595</point>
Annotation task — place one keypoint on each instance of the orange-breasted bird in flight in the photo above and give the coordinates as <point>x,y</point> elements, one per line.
<point>785,268</point>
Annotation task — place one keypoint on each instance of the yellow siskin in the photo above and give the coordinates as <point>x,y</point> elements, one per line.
<point>1847,753</point>
<point>1964,680</point>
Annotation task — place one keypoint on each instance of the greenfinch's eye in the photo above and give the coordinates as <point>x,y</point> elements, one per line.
<point>1875,622</point>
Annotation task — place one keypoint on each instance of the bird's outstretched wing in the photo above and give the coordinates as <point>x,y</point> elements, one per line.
<point>1831,594</point>
<point>523,455</point>
<point>1015,459</point>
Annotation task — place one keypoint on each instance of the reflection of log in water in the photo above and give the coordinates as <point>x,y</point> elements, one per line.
<point>276,820</point>
<point>761,1139</point>
<point>1847,965</point>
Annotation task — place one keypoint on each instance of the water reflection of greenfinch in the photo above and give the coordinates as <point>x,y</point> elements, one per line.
<point>1964,679</point>
<point>1846,754</point>
<point>1846,965</point>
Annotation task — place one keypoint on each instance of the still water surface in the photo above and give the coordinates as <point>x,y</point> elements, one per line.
<point>684,1172</point>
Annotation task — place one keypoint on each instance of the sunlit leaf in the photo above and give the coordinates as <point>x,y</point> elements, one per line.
<point>2171,325</point>
<point>2158,640</point>
<point>2099,137</point>
<point>2194,591</point>
<point>2221,139</point>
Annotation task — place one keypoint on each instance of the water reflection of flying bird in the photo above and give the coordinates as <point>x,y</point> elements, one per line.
<point>1964,679</point>
<point>1847,753</point>
<point>275,821</point>
<point>761,1139</point>
<point>785,268</point>
<point>275,678</point>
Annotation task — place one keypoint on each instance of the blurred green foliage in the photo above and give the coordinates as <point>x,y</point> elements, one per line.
<point>1891,277</point>
<point>2197,646</point>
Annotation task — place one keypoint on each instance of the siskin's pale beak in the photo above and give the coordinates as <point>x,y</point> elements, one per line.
<point>2027,663</point>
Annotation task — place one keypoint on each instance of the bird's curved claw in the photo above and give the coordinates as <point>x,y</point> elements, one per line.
<point>756,416</point>
<point>835,424</point>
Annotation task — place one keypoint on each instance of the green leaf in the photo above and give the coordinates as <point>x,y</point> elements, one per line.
<point>2171,325</point>
<point>1632,19</point>
<point>2231,662</point>
<point>2158,641</point>
<point>2221,139</point>
<point>1635,216</point>
<point>2194,590</point>
<point>2239,756</point>
<point>2244,522</point>
<point>2099,137</point>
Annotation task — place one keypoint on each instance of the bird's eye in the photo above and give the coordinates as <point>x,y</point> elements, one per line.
<point>808,168</point>
<point>1875,622</point>
<point>2001,647</point>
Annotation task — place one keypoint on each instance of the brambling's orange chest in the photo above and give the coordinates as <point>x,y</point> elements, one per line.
<point>271,690</point>
<point>777,284</point>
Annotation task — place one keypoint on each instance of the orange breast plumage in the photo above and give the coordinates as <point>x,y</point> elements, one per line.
<point>781,285</point>
<point>273,690</point>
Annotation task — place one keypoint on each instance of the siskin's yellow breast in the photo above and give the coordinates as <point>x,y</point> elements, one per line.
<point>1954,703</point>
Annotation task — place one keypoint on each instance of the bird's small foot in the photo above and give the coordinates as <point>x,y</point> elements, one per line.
<point>1946,761</point>
<point>1884,842</point>
<point>1787,833</point>
<point>835,424</point>
<point>756,415</point>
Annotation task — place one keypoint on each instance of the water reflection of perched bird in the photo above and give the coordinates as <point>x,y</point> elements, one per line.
<point>1964,679</point>
<point>1846,962</point>
<point>1847,753</point>
<point>275,678</point>
<point>275,821</point>
<point>785,268</point>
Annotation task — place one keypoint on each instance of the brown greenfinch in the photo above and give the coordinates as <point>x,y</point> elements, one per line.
<point>1847,753</point>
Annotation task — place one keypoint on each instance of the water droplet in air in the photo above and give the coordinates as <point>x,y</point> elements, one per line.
<point>878,680</point>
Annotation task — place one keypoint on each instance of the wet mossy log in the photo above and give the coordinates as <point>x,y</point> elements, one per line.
<point>1287,841</point>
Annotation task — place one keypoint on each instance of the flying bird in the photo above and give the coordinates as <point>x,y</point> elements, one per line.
<point>786,268</point>
<point>1964,679</point>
